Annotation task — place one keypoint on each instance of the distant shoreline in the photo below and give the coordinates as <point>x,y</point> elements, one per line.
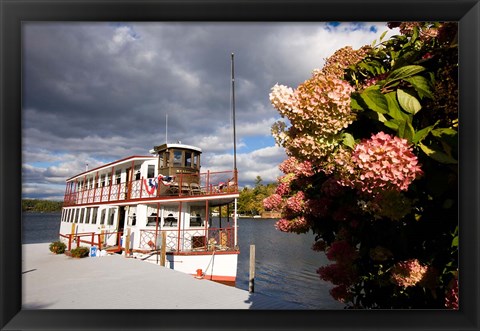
<point>41,206</point>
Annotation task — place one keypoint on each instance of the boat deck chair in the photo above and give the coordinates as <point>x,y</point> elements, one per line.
<point>195,189</point>
<point>185,188</point>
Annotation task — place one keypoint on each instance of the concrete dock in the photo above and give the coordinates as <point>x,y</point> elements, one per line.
<point>52,281</point>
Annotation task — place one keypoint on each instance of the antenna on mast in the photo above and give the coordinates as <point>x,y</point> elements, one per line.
<point>166,128</point>
<point>233,114</point>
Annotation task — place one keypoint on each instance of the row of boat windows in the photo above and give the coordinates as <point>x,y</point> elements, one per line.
<point>107,216</point>
<point>105,180</point>
<point>89,216</point>
<point>179,158</point>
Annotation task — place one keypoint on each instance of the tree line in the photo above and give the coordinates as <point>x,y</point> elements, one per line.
<point>250,201</point>
<point>35,205</point>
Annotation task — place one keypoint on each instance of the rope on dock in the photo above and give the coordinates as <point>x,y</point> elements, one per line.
<point>211,259</point>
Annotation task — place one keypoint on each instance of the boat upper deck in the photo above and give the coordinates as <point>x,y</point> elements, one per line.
<point>81,192</point>
<point>172,172</point>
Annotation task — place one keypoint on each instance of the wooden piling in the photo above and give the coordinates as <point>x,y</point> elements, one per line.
<point>251,282</point>
<point>163,252</point>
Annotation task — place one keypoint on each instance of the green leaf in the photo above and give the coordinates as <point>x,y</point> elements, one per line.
<point>406,131</point>
<point>404,72</point>
<point>348,140</point>
<point>404,58</point>
<point>392,125</point>
<point>393,107</point>
<point>408,102</point>
<point>421,85</point>
<point>354,104</point>
<point>455,242</point>
<point>440,132</point>
<point>437,155</point>
<point>383,35</point>
<point>420,135</point>
<point>375,100</point>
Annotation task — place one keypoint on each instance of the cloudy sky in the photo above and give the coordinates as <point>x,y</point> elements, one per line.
<point>97,92</point>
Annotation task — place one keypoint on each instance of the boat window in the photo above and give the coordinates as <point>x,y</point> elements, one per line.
<point>188,159</point>
<point>152,219</point>
<point>87,217</point>
<point>77,213</point>
<point>137,172</point>
<point>82,214</point>
<point>118,174</point>
<point>151,171</point>
<point>195,160</point>
<point>170,216</point>
<point>109,179</point>
<point>177,158</point>
<point>197,217</point>
<point>160,160</point>
<point>102,217</point>
<point>94,215</point>
<point>111,216</point>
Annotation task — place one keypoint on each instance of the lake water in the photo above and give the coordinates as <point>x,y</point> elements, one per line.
<point>284,263</point>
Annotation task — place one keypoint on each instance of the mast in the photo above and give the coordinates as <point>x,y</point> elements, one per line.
<point>234,156</point>
<point>233,115</point>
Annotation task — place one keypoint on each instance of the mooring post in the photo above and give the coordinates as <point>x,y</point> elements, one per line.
<point>163,251</point>
<point>251,283</point>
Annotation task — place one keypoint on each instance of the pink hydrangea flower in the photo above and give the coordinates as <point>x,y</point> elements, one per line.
<point>293,166</point>
<point>283,189</point>
<point>296,202</point>
<point>408,273</point>
<point>297,225</point>
<point>383,162</point>
<point>282,98</point>
<point>273,202</point>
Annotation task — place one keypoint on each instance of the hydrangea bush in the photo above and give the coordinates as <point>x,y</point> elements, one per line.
<point>371,140</point>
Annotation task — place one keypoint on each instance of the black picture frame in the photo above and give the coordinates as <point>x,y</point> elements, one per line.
<point>14,12</point>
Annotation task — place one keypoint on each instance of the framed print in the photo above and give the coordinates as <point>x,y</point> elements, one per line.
<point>126,111</point>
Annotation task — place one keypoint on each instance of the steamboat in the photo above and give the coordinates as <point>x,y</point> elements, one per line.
<point>157,208</point>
